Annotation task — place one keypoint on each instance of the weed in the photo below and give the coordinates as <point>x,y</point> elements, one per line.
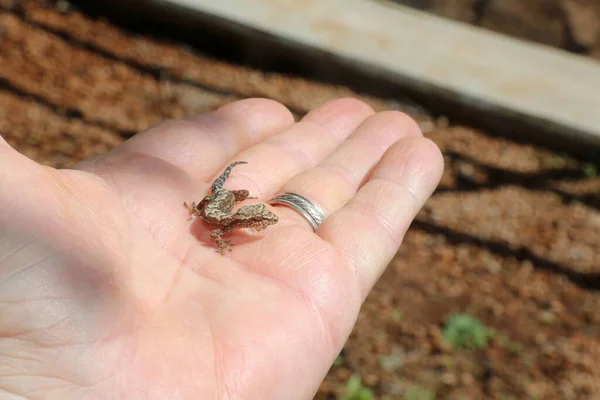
<point>393,361</point>
<point>547,317</point>
<point>396,315</point>
<point>515,347</point>
<point>556,161</point>
<point>589,170</point>
<point>34,139</point>
<point>448,361</point>
<point>416,392</point>
<point>338,361</point>
<point>356,391</point>
<point>464,331</point>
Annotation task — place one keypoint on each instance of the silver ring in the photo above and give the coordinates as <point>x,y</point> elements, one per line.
<point>305,207</point>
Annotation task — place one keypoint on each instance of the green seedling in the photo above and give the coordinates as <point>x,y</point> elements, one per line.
<point>548,317</point>
<point>355,390</point>
<point>416,392</point>
<point>338,361</point>
<point>514,347</point>
<point>393,361</point>
<point>396,315</point>
<point>589,170</point>
<point>34,139</point>
<point>555,161</point>
<point>464,331</point>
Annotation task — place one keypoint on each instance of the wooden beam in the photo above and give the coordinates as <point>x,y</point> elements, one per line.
<point>554,93</point>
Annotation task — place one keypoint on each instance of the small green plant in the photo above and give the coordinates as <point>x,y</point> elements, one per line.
<point>34,139</point>
<point>464,331</point>
<point>396,315</point>
<point>416,392</point>
<point>589,170</point>
<point>338,361</point>
<point>547,317</point>
<point>514,347</point>
<point>393,361</point>
<point>356,391</point>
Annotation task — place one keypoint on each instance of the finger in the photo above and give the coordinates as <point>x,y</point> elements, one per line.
<point>369,229</point>
<point>200,145</point>
<point>23,181</point>
<point>336,179</point>
<point>15,168</point>
<point>301,146</point>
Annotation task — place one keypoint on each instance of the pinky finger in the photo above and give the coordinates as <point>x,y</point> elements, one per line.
<point>369,229</point>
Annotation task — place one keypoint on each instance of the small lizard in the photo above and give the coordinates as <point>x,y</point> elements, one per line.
<point>216,209</point>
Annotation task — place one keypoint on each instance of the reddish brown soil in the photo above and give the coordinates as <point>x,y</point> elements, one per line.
<point>512,236</point>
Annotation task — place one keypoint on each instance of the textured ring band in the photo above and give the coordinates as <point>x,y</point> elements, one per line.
<point>305,207</point>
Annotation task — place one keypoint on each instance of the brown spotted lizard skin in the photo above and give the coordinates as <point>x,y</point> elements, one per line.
<point>216,209</point>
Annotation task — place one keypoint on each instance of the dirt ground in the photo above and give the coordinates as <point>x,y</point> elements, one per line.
<point>511,237</point>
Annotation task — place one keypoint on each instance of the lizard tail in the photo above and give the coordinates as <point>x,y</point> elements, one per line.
<point>218,184</point>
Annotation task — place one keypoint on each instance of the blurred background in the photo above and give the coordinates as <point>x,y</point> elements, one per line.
<point>496,290</point>
<point>572,25</point>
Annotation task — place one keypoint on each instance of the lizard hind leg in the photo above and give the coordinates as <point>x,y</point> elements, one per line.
<point>222,244</point>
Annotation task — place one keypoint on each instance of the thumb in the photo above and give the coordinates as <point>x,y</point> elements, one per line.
<point>69,211</point>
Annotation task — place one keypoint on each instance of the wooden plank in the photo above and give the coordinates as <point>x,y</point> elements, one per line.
<point>553,91</point>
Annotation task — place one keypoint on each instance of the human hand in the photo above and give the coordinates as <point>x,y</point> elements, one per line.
<point>107,291</point>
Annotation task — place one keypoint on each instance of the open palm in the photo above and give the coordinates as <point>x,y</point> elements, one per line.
<point>108,291</point>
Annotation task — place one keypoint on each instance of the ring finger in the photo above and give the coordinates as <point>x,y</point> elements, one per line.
<point>335,180</point>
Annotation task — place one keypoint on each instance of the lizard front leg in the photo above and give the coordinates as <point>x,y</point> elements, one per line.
<point>193,210</point>
<point>241,195</point>
<point>196,210</point>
